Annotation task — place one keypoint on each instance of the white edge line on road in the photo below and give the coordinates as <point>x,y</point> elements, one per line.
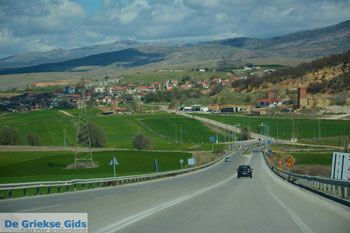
<point>103,197</point>
<point>40,208</point>
<point>303,227</point>
<point>137,217</point>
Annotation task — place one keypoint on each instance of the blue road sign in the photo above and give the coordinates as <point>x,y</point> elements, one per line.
<point>212,139</point>
<point>114,161</point>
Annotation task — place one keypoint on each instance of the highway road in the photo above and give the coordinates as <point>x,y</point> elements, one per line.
<point>211,200</point>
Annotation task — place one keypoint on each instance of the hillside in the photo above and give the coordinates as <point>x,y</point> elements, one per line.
<point>327,81</point>
<point>124,58</point>
<point>311,43</point>
<point>304,44</point>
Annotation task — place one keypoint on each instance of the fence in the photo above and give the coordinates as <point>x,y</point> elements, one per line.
<point>335,188</point>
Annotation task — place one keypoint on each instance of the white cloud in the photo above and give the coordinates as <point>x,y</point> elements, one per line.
<point>46,24</point>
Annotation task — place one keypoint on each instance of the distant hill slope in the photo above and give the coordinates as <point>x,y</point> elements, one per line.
<point>305,44</point>
<point>312,43</point>
<point>125,58</point>
<point>59,55</point>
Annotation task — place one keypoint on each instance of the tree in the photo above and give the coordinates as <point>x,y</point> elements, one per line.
<point>244,133</point>
<point>97,135</point>
<point>10,136</point>
<point>33,139</point>
<point>141,141</point>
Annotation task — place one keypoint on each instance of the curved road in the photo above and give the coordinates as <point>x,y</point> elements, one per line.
<point>211,200</point>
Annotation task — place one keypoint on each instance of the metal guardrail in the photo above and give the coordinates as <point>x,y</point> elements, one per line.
<point>100,182</point>
<point>335,188</point>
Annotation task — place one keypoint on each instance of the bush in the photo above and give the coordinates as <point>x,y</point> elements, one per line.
<point>33,139</point>
<point>244,134</point>
<point>10,136</point>
<point>141,141</point>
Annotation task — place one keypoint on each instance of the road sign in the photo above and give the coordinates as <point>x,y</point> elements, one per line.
<point>289,161</point>
<point>341,166</point>
<point>182,163</point>
<point>280,162</point>
<point>114,162</point>
<point>191,161</point>
<point>212,139</point>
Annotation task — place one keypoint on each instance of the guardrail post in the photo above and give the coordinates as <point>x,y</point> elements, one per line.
<point>104,184</point>
<point>90,185</point>
<point>67,188</point>
<point>324,187</point>
<point>24,192</point>
<point>333,189</point>
<point>98,184</point>
<point>75,187</point>
<point>48,190</point>
<point>339,191</point>
<point>83,186</point>
<point>329,188</point>
<point>38,191</point>
<point>120,182</point>
<point>59,189</point>
<point>10,192</point>
<point>345,192</point>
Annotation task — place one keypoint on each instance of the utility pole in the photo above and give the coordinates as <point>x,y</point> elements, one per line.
<point>64,137</point>
<point>319,130</point>
<point>181,133</point>
<point>83,139</point>
<point>175,133</point>
<point>25,136</point>
<point>217,135</point>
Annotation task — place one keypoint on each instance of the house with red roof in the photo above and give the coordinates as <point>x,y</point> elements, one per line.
<point>156,85</point>
<point>204,84</point>
<point>226,82</point>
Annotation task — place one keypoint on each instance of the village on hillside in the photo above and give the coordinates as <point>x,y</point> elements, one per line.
<point>111,93</point>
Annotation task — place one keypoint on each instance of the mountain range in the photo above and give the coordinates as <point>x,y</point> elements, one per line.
<point>130,54</point>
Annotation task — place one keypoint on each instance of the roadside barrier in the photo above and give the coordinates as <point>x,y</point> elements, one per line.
<point>46,187</point>
<point>338,189</point>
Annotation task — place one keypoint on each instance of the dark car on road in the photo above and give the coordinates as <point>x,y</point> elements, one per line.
<point>244,170</point>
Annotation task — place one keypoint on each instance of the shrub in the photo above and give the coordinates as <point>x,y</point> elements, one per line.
<point>141,141</point>
<point>10,136</point>
<point>33,139</point>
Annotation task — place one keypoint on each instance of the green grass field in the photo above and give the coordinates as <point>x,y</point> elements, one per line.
<point>304,129</point>
<point>46,166</point>
<point>312,158</point>
<point>53,126</point>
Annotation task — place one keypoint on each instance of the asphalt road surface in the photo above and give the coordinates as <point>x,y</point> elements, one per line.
<point>211,200</point>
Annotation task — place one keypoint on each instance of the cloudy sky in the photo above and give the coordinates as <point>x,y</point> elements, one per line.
<point>42,25</point>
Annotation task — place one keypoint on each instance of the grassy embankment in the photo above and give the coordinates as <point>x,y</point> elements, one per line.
<point>46,166</point>
<point>307,160</point>
<point>306,130</point>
